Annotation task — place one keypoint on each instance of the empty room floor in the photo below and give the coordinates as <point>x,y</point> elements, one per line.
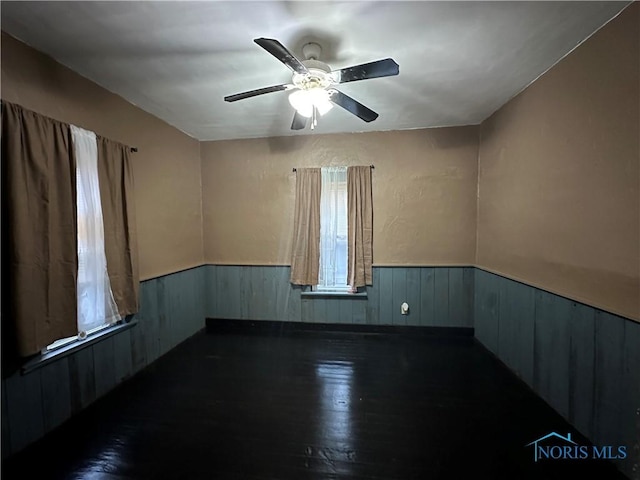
<point>311,405</point>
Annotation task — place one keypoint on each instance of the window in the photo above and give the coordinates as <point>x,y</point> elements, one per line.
<point>333,231</point>
<point>96,308</point>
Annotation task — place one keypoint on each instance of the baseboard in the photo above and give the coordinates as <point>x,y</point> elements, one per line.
<point>223,325</point>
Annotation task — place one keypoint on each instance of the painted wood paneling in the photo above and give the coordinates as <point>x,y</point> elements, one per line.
<point>398,295</point>
<point>521,302</point>
<point>516,327</point>
<point>138,347</point>
<point>319,308</point>
<point>468,287</point>
<point>149,316</point>
<point>264,293</point>
<point>123,363</point>
<point>584,362</point>
<point>359,312</point>
<point>487,308</point>
<point>457,301</point>
<point>372,313</point>
<point>345,310</point>
<point>507,326</point>
<point>82,379</point>
<point>211,294</point>
<point>551,350</point>
<point>581,367</point>
<point>427,297</point>
<point>306,310</point>
<point>441,294</point>
<point>158,344</point>
<point>385,298</point>
<point>230,301</point>
<point>56,393</point>
<point>413,296</point>
<point>172,308</point>
<point>104,366</point>
<point>609,389</point>
<point>630,402</point>
<point>24,409</point>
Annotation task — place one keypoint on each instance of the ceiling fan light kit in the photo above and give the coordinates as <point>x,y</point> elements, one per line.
<point>313,83</point>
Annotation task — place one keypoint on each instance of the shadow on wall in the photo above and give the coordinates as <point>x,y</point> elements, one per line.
<point>438,139</point>
<point>290,144</point>
<point>450,137</point>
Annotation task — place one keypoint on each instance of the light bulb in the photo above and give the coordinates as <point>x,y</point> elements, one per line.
<point>324,106</point>
<point>304,101</point>
<point>320,98</point>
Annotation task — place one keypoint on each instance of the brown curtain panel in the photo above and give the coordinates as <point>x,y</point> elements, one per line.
<point>115,174</point>
<point>305,257</point>
<point>39,232</point>
<point>360,226</point>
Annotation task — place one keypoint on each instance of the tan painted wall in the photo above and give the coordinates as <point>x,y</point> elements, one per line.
<point>559,201</point>
<point>424,194</point>
<point>166,167</point>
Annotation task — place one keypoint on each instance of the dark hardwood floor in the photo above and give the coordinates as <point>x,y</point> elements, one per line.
<point>311,406</point>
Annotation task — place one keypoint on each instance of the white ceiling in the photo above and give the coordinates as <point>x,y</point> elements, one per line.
<point>459,61</point>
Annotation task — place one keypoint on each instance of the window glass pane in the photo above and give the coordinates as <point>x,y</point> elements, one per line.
<point>333,229</point>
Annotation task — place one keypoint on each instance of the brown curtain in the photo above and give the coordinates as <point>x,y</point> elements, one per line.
<point>360,211</point>
<point>115,174</point>
<point>305,257</point>
<point>39,232</point>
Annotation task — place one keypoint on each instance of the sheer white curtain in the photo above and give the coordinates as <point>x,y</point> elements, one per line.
<point>96,306</point>
<point>333,229</point>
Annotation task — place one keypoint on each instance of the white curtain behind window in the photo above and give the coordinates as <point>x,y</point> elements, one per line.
<point>96,306</point>
<point>333,228</point>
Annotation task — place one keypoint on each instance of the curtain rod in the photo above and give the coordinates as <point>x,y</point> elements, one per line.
<point>295,169</point>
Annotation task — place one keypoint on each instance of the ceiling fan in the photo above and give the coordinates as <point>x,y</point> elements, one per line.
<point>313,82</point>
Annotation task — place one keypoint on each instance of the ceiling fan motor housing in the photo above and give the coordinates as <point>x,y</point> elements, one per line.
<point>319,76</point>
<point>311,51</point>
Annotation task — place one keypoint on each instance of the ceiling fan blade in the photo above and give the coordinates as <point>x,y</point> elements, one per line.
<point>380,68</point>
<point>299,121</point>
<point>275,48</point>
<point>259,91</point>
<point>353,106</point>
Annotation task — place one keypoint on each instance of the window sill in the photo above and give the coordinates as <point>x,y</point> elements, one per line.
<point>358,295</point>
<point>49,357</point>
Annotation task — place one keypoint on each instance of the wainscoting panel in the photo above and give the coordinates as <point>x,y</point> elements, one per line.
<point>437,296</point>
<point>56,388</point>
<point>24,409</point>
<point>172,308</point>
<point>583,361</point>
